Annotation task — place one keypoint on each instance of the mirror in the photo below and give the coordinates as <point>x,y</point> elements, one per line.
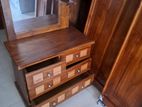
<point>25,18</point>
<point>27,9</point>
<point>32,17</point>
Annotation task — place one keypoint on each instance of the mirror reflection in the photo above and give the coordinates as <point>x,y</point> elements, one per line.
<point>27,9</point>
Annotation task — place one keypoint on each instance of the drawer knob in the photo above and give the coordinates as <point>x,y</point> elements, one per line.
<point>54,104</point>
<point>77,56</point>
<point>49,75</point>
<point>49,86</point>
<point>82,87</point>
<point>78,71</point>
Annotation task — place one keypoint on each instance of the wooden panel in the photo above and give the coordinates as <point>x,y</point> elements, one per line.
<point>108,24</point>
<point>56,42</point>
<point>8,20</point>
<point>74,10</point>
<point>84,7</point>
<point>125,83</point>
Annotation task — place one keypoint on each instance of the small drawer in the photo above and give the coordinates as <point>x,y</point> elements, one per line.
<point>43,74</point>
<point>65,91</point>
<point>77,55</point>
<point>79,68</point>
<point>38,90</point>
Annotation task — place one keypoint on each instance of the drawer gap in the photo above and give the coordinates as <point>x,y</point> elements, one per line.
<point>61,88</point>
<point>43,64</point>
<point>71,65</point>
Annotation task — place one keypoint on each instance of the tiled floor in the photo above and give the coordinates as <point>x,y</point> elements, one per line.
<point>9,96</point>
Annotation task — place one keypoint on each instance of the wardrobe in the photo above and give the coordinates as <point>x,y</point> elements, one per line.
<point>116,26</point>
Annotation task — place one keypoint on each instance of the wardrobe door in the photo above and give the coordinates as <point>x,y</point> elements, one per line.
<point>108,23</point>
<point>124,85</point>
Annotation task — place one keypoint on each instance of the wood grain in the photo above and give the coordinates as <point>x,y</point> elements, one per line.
<point>8,20</point>
<point>29,51</point>
<point>108,23</point>
<point>125,82</point>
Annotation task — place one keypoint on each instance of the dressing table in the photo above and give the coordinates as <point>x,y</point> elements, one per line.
<point>51,59</point>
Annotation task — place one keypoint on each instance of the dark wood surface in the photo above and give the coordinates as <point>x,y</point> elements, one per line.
<point>1,22</point>
<point>28,51</point>
<point>125,83</point>
<point>8,20</point>
<point>108,23</point>
<point>81,17</point>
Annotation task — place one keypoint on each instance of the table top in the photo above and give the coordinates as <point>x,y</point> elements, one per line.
<point>32,50</point>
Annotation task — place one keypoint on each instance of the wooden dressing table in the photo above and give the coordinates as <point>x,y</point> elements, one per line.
<point>49,67</point>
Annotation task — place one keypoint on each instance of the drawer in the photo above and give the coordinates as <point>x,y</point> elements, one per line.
<point>39,90</point>
<point>65,91</point>
<point>77,69</point>
<point>77,55</point>
<point>50,84</point>
<point>43,74</point>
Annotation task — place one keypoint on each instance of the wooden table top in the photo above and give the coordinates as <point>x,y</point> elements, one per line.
<point>32,50</point>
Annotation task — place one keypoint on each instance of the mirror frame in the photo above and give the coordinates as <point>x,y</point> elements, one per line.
<point>63,22</point>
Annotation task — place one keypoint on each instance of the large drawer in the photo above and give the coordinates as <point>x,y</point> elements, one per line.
<point>70,73</point>
<point>65,91</point>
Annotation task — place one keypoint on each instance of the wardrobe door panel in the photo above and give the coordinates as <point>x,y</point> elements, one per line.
<point>125,82</point>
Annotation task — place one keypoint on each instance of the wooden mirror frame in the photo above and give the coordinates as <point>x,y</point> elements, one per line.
<point>63,22</point>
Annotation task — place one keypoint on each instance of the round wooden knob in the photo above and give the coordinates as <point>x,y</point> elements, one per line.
<point>78,71</point>
<point>77,56</point>
<point>49,75</point>
<point>54,104</point>
<point>49,85</point>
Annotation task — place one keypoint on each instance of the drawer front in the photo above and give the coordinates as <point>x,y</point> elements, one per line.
<point>58,80</point>
<point>79,69</point>
<point>41,75</point>
<point>67,93</point>
<point>77,55</point>
<point>45,87</point>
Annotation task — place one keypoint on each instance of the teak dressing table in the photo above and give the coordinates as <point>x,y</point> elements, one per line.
<point>51,62</point>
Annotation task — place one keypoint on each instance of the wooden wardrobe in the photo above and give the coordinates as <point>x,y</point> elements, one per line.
<point>125,82</point>
<point>108,23</point>
<point>116,27</point>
